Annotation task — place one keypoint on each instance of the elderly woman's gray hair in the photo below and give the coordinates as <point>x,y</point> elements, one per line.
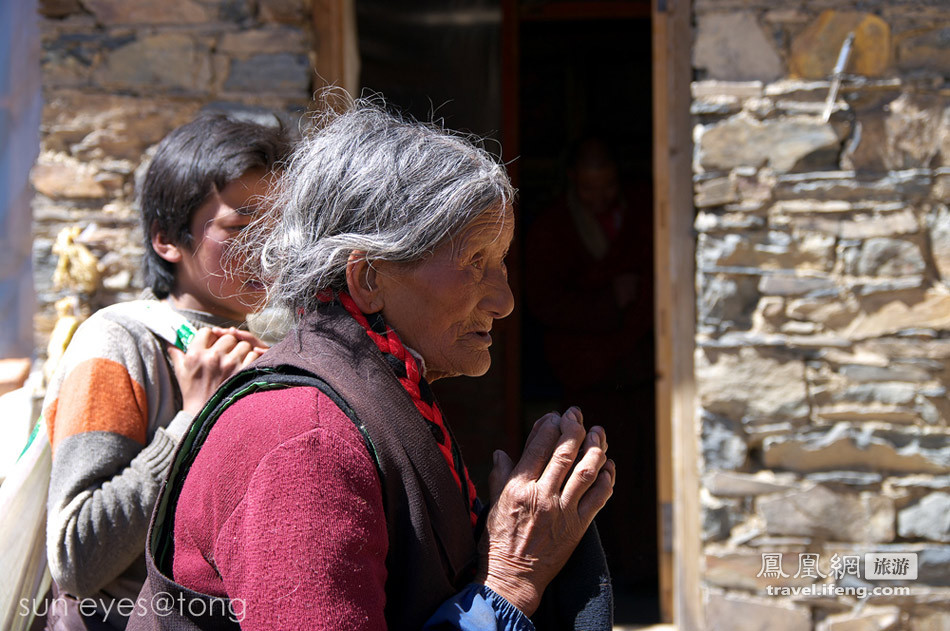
<point>369,180</point>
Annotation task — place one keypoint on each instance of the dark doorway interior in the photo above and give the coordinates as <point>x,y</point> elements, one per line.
<point>434,59</point>
<point>587,331</point>
<point>578,75</point>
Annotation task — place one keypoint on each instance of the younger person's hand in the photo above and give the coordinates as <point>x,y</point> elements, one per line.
<point>214,355</point>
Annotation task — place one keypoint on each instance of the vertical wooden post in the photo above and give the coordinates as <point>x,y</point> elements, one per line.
<point>677,433</point>
<point>336,50</point>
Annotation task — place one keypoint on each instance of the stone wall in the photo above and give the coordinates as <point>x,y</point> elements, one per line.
<point>823,311</point>
<point>117,77</point>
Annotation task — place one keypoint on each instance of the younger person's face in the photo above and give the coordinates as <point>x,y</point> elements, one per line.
<point>208,277</point>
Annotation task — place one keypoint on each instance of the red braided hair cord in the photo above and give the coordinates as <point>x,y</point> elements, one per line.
<point>391,344</point>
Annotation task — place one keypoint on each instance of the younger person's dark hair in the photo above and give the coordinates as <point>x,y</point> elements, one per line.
<point>194,161</point>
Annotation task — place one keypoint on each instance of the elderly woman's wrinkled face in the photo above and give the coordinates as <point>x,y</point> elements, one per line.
<point>444,306</point>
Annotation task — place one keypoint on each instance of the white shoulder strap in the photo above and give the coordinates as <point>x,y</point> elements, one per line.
<point>24,573</point>
<point>160,318</point>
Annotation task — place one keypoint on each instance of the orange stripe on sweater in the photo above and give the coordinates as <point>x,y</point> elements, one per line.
<point>98,395</point>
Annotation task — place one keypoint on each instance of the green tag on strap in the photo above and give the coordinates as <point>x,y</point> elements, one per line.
<point>183,336</point>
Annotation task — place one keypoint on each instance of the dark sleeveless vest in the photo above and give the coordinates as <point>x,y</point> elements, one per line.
<point>432,548</point>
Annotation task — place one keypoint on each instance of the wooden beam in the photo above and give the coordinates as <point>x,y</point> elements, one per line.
<point>677,434</point>
<point>591,10</point>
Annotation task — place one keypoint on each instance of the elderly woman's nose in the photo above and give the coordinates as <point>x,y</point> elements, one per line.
<point>499,300</point>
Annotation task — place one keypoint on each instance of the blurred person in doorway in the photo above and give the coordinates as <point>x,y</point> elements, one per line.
<point>588,281</point>
<point>588,270</point>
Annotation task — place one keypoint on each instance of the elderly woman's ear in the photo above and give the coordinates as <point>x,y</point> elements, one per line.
<point>361,282</point>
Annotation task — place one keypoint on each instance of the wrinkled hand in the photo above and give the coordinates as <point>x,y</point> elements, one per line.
<point>543,506</point>
<point>213,355</point>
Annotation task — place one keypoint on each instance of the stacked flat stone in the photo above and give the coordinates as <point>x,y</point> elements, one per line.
<point>117,77</point>
<point>823,304</point>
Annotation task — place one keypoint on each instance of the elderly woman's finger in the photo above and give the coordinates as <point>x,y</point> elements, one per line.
<point>574,413</point>
<point>538,449</point>
<point>499,475</point>
<point>537,424</point>
<point>562,459</point>
<point>598,494</point>
<point>585,472</point>
<point>601,436</point>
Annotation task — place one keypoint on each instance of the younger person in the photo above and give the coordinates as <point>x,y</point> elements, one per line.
<point>122,398</point>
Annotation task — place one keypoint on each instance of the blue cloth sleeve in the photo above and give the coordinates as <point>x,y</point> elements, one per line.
<point>478,608</point>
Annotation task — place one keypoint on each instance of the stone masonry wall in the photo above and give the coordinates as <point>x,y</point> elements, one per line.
<point>823,310</point>
<point>119,75</point>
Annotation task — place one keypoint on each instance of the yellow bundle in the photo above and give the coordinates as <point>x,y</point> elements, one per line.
<point>77,268</point>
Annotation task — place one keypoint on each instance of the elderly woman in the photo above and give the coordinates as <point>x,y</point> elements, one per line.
<point>328,491</point>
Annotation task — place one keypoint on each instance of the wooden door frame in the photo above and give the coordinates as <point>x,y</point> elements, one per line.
<point>675,301</point>
<point>335,56</point>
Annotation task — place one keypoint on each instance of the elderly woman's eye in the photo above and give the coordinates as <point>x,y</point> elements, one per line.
<point>478,262</point>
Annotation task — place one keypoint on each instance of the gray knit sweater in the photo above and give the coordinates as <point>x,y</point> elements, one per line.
<point>114,415</point>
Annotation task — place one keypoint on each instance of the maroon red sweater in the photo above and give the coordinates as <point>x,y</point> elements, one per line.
<point>289,462</point>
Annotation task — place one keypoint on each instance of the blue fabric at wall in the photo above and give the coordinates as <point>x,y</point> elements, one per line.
<point>20,109</point>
